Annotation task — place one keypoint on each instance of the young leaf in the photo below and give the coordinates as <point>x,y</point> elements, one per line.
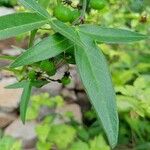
<point>67,31</point>
<point>33,5</point>
<point>47,48</point>
<point>95,76</point>
<point>110,35</point>
<point>14,24</point>
<point>25,100</point>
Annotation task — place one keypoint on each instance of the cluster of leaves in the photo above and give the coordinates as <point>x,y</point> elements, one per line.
<point>67,133</point>
<point>62,131</point>
<point>82,42</point>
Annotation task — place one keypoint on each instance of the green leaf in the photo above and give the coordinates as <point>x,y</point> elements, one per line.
<point>62,132</point>
<point>33,5</point>
<point>98,143</point>
<point>47,48</point>
<point>14,24</point>
<point>42,131</point>
<point>25,100</point>
<point>5,57</point>
<point>79,145</point>
<point>67,31</point>
<point>38,83</point>
<point>16,85</point>
<point>95,76</point>
<point>27,86</point>
<point>110,35</point>
<point>44,3</point>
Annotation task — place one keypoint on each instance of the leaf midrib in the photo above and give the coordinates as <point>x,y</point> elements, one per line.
<point>97,87</point>
<point>109,36</point>
<point>29,51</point>
<point>80,44</point>
<point>35,9</point>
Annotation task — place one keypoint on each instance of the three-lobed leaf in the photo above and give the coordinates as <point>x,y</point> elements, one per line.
<point>110,35</point>
<point>47,48</point>
<point>95,76</point>
<point>14,24</point>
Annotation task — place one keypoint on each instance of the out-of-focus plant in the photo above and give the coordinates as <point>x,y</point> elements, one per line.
<point>62,132</point>
<point>8,3</point>
<point>9,143</point>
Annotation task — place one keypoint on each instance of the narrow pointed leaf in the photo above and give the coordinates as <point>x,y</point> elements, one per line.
<point>95,76</point>
<point>16,85</point>
<point>27,86</point>
<point>21,84</point>
<point>6,57</point>
<point>14,24</point>
<point>67,31</point>
<point>25,100</point>
<point>33,5</point>
<point>110,35</point>
<point>47,48</point>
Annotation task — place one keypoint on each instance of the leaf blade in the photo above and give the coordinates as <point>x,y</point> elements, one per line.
<point>67,31</point>
<point>33,5</point>
<point>95,76</point>
<point>44,3</point>
<point>25,100</point>
<point>111,35</point>
<point>16,85</point>
<point>6,57</point>
<point>47,48</point>
<point>27,86</point>
<point>14,24</point>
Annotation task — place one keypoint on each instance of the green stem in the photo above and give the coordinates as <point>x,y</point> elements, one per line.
<point>32,37</point>
<point>83,12</point>
<point>84,8</point>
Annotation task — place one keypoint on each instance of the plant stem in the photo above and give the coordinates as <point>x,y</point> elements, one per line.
<point>32,36</point>
<point>82,16</point>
